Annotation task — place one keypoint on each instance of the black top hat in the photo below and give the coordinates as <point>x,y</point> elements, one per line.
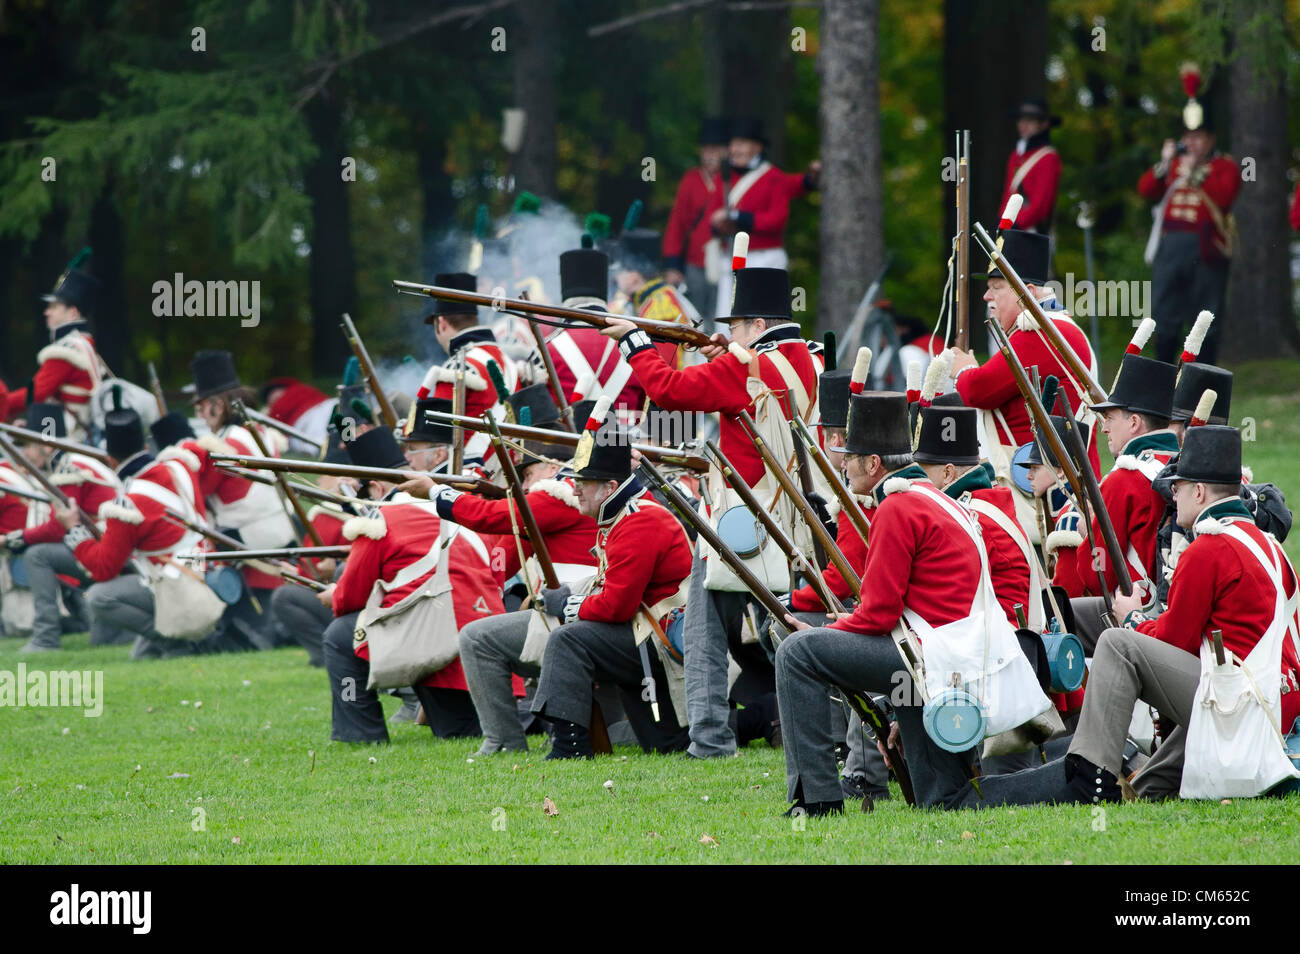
<point>951,399</point>
<point>748,127</point>
<point>638,250</point>
<point>462,281</point>
<point>1060,425</point>
<point>76,289</point>
<point>877,424</point>
<point>1029,254</point>
<point>949,435</point>
<point>377,447</point>
<point>714,131</point>
<point>584,273</point>
<point>760,293</point>
<point>172,428</point>
<point>1035,108</point>
<point>1211,454</point>
<point>214,373</point>
<point>542,409</point>
<point>418,427</point>
<point>662,426</point>
<point>1145,386</point>
<point>336,452</point>
<point>1194,379</point>
<point>46,419</point>
<point>604,452</point>
<point>833,397</point>
<point>123,434</point>
<point>581,411</point>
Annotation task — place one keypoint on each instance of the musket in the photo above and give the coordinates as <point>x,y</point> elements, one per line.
<point>664,455</point>
<point>25,494</point>
<point>458,434</point>
<point>54,493</point>
<point>310,491</point>
<point>866,707</point>
<point>282,485</point>
<point>62,443</point>
<point>852,336</point>
<point>274,553</point>
<point>848,504</point>
<point>368,369</point>
<point>1077,471</point>
<point>962,279</point>
<point>156,386</point>
<point>787,546</point>
<point>664,330</point>
<point>1083,378</point>
<point>475,485</point>
<point>233,545</point>
<point>809,514</point>
<point>566,412</point>
<point>286,429</point>
<point>515,487</point>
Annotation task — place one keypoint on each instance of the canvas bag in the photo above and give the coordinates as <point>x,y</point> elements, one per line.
<point>417,635</point>
<point>540,624</point>
<point>17,609</point>
<point>184,606</point>
<point>982,648</point>
<point>1234,746</point>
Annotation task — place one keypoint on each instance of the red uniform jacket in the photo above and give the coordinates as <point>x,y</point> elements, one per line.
<point>917,558</point>
<point>64,376</point>
<point>1063,543</point>
<point>765,205</point>
<point>1218,584</point>
<point>991,385</point>
<point>1186,210</point>
<point>328,523</point>
<point>133,523</point>
<point>14,509</point>
<point>854,548</point>
<point>643,556</point>
<point>1038,187</point>
<point>699,195</point>
<point>296,399</point>
<point>472,350</point>
<point>404,533</point>
<point>591,346</point>
<point>87,483</point>
<point>720,386</point>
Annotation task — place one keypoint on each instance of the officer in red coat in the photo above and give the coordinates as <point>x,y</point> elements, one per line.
<point>1034,167</point>
<point>613,631</point>
<point>302,407</point>
<point>699,195</point>
<point>1190,245</point>
<point>766,348</point>
<point>470,347</point>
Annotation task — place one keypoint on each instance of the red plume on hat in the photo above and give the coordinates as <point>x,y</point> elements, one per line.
<point>1193,114</point>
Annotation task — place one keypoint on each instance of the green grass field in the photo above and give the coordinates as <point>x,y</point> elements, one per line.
<point>249,775</point>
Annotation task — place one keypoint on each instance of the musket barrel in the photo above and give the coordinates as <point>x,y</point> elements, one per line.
<point>62,443</point>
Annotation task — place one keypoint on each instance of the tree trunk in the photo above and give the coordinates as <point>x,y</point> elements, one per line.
<point>112,328</point>
<point>333,269</point>
<point>759,72</point>
<point>1260,320</point>
<point>438,206</point>
<point>852,228</point>
<point>532,43</point>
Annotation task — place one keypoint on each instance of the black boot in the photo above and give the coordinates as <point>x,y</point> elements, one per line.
<point>1090,784</point>
<point>812,809</point>
<point>571,741</point>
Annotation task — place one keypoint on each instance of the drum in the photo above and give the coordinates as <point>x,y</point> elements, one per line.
<point>954,720</point>
<point>740,530</point>
<point>1065,658</point>
<point>675,630</point>
<point>226,582</point>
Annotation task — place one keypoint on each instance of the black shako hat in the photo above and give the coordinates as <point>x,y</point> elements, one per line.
<point>77,289</point>
<point>1029,254</point>
<point>714,131</point>
<point>541,407</point>
<point>377,447</point>
<point>461,281</point>
<point>833,397</point>
<point>123,434</point>
<point>1035,457</point>
<point>1211,454</point>
<point>877,424</point>
<point>949,435</point>
<point>1194,379</point>
<point>639,250</point>
<point>1145,386</point>
<point>584,273</point>
<point>760,293</point>
<point>172,428</point>
<point>418,426</point>
<point>748,127</point>
<point>45,419</point>
<point>214,373</point>
<point>604,450</point>
<point>1035,108</point>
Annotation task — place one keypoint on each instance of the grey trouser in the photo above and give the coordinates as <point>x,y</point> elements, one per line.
<point>44,562</point>
<point>300,617</point>
<point>489,653</point>
<point>583,652</point>
<point>703,295</point>
<point>1088,623</point>
<point>124,603</point>
<point>1182,286</point>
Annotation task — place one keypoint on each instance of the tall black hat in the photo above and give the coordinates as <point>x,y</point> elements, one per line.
<point>1194,379</point>
<point>1029,254</point>
<point>584,273</point>
<point>1060,425</point>
<point>1035,108</point>
<point>46,419</point>
<point>760,293</point>
<point>582,411</point>
<point>462,281</point>
<point>1211,454</point>
<point>214,373</point>
<point>833,397</point>
<point>714,131</point>
<point>123,433</point>
<point>949,435</point>
<point>1145,386</point>
<point>639,250</point>
<point>377,447</point>
<point>418,427</point>
<point>172,428</point>
<point>76,289</point>
<point>604,450</point>
<point>748,127</point>
<point>877,424</point>
<point>540,405</point>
